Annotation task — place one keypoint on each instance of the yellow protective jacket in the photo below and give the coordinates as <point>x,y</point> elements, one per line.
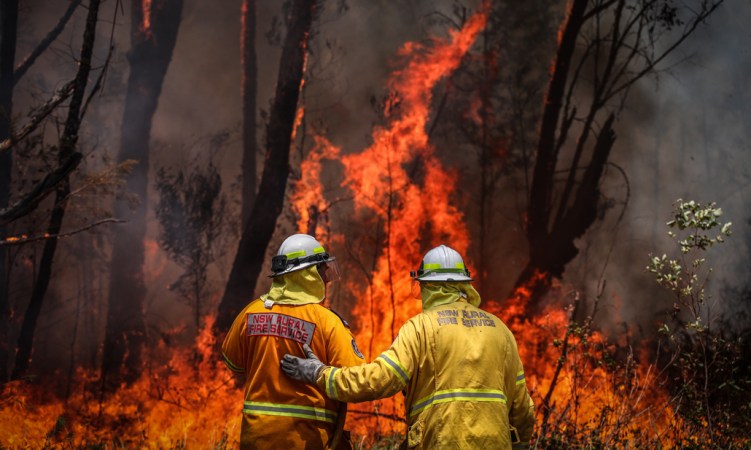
<point>461,375</point>
<point>278,412</point>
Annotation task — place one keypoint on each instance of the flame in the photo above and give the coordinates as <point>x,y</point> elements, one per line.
<point>189,403</point>
<point>386,194</point>
<point>146,12</point>
<point>299,116</point>
<point>579,386</point>
<point>308,199</point>
<point>399,187</point>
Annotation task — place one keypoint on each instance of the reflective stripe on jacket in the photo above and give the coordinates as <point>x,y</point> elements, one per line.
<point>279,412</point>
<point>463,380</point>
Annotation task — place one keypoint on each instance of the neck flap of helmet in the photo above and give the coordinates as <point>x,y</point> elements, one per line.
<point>435,293</point>
<point>300,287</point>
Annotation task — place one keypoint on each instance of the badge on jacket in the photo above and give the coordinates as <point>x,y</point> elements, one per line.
<point>356,349</point>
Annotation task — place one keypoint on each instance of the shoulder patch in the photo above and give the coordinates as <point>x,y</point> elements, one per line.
<point>346,324</point>
<point>356,349</point>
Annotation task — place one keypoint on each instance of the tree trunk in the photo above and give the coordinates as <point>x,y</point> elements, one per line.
<point>8,23</point>
<point>268,205</point>
<point>541,192</point>
<point>153,34</point>
<point>544,263</point>
<point>249,80</point>
<point>550,253</point>
<point>67,151</point>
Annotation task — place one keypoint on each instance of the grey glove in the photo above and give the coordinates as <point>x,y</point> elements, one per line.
<point>302,369</point>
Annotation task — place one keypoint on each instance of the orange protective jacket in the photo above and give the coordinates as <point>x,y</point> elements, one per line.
<point>278,412</point>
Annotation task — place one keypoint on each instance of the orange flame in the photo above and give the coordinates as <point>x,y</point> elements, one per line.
<point>187,403</point>
<point>578,385</point>
<point>192,401</point>
<point>308,197</point>
<point>384,192</point>
<point>146,11</point>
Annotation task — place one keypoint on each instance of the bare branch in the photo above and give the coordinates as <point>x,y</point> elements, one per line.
<point>25,240</point>
<point>98,83</point>
<point>38,116</point>
<point>49,39</point>
<point>40,191</point>
<point>699,18</point>
<point>100,79</point>
<point>598,9</point>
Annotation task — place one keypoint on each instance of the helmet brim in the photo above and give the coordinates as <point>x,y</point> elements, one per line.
<point>304,265</point>
<point>443,277</point>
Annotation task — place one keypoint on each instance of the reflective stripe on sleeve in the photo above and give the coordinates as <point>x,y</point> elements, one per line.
<point>330,386</point>
<point>458,395</point>
<point>231,366</point>
<point>396,368</point>
<point>300,412</point>
<point>520,378</point>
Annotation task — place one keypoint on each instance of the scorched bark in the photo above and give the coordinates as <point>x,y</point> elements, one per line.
<point>267,207</point>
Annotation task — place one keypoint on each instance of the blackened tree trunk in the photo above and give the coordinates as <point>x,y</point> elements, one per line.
<point>153,34</point>
<point>8,23</point>
<point>550,252</point>
<point>544,263</point>
<point>67,152</point>
<point>270,200</point>
<point>637,38</point>
<point>249,81</point>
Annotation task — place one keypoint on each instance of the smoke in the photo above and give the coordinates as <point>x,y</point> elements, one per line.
<point>684,134</point>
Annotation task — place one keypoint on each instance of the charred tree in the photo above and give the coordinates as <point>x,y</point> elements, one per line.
<point>8,22</point>
<point>153,34</point>
<point>605,47</point>
<point>491,111</point>
<point>67,151</point>
<point>9,76</point>
<point>249,81</point>
<point>541,261</point>
<point>259,229</point>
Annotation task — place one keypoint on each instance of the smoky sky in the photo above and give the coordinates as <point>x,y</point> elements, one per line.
<point>682,135</point>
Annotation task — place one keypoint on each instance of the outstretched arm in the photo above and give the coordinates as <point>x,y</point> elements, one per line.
<point>388,374</point>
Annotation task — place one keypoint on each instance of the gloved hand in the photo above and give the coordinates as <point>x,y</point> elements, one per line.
<point>302,369</point>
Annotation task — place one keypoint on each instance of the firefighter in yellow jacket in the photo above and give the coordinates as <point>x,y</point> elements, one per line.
<point>457,365</point>
<point>280,413</point>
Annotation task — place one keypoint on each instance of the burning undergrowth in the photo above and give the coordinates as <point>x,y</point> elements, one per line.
<point>183,403</point>
<point>590,390</point>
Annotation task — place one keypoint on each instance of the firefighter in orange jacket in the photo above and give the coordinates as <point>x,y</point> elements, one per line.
<point>278,412</point>
<point>458,366</point>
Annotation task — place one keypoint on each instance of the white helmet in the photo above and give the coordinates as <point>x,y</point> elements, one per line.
<point>298,252</point>
<point>442,264</point>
